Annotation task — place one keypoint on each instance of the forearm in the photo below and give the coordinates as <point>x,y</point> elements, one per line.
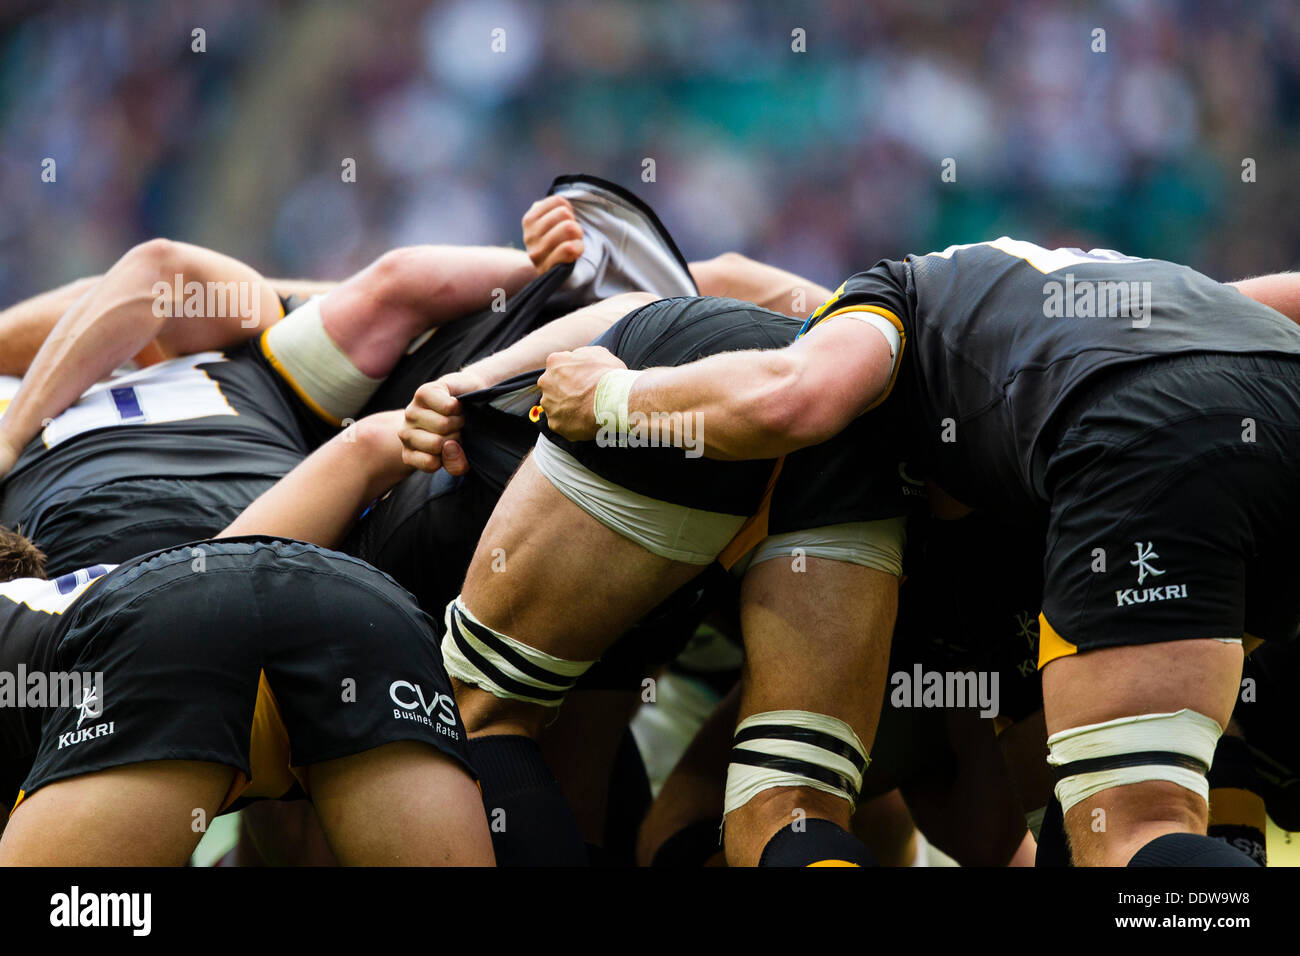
<point>96,335</point>
<point>323,496</point>
<point>769,403</point>
<point>567,332</point>
<point>25,325</point>
<point>739,277</point>
<point>720,399</point>
<point>1280,291</point>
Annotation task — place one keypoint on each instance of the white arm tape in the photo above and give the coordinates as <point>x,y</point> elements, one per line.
<point>878,322</point>
<point>610,403</point>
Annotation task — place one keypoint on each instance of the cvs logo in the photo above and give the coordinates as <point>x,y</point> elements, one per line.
<point>410,696</point>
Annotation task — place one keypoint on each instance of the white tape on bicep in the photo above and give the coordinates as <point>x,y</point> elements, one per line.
<point>886,328</point>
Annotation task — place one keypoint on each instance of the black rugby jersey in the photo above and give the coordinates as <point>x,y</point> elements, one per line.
<point>199,416</point>
<point>997,335</point>
<point>32,617</point>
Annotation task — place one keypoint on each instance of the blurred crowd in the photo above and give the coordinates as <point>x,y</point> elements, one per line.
<point>457,114</point>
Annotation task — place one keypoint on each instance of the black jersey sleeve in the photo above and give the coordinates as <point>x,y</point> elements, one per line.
<point>881,289</point>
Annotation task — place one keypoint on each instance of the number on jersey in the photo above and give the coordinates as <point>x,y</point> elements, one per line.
<point>171,391</point>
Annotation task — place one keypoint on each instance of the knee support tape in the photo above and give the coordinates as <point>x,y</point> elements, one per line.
<point>475,654</point>
<point>794,748</point>
<point>1177,747</point>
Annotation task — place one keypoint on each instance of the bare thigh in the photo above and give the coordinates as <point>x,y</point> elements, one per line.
<point>141,814</point>
<point>550,575</point>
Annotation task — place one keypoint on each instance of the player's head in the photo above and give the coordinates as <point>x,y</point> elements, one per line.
<point>19,558</point>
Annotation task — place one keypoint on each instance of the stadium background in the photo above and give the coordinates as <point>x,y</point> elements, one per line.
<point>821,161</point>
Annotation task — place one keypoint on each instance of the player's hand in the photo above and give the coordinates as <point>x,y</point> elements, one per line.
<point>552,234</point>
<point>431,431</point>
<point>569,389</point>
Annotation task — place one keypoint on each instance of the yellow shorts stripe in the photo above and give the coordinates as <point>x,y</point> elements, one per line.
<point>268,753</point>
<point>1050,644</point>
<point>754,530</point>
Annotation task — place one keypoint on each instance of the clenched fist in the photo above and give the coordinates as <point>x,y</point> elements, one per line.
<point>569,389</point>
<point>430,432</point>
<point>552,234</point>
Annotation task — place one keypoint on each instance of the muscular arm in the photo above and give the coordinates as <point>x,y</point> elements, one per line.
<point>1280,291</point>
<point>433,419</point>
<point>319,500</point>
<point>119,316</point>
<point>569,331</point>
<point>739,277</point>
<point>757,404</point>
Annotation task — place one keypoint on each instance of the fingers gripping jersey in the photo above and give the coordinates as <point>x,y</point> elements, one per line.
<point>999,334</point>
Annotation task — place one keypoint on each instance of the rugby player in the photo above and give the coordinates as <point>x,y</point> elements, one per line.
<point>355,333</point>
<point>219,673</point>
<point>596,536</point>
<point>426,530</point>
<point>175,451</point>
<point>1111,395</point>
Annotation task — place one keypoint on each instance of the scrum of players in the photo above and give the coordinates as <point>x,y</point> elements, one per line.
<point>441,563</point>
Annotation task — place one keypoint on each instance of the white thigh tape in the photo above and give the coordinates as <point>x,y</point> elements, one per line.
<point>669,530</point>
<point>872,544</point>
<point>315,367</point>
<point>475,654</point>
<point>794,748</point>
<point>1176,747</point>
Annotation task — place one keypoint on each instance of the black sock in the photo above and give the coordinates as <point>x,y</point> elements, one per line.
<point>531,822</point>
<point>1189,849</point>
<point>816,842</point>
